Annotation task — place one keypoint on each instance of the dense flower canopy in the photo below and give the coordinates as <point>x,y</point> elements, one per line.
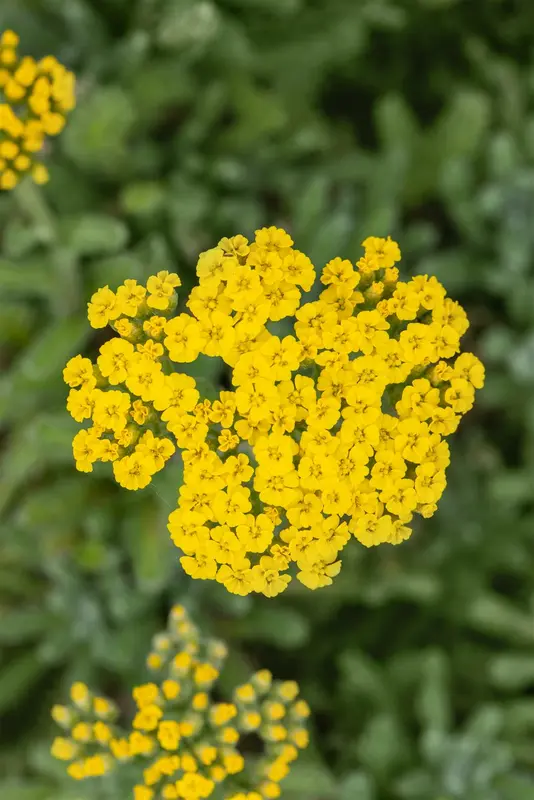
<point>37,96</point>
<point>333,432</point>
<point>183,744</point>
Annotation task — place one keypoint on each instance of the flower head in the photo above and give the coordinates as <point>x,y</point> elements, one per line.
<point>187,742</point>
<point>333,432</point>
<point>36,97</point>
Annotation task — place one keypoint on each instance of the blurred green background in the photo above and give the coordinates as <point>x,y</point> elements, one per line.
<point>198,119</point>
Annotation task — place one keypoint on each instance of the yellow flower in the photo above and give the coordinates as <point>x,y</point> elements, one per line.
<point>77,770</point>
<point>356,450</point>
<point>101,732</point>
<point>143,793</point>
<point>183,338</point>
<point>64,749</point>
<point>102,308</point>
<point>171,689</point>
<point>62,715</point>
<point>190,744</point>
<point>194,786</point>
<point>43,94</point>
<point>81,732</point>
<point>169,734</point>
<point>132,472</point>
<point>382,252</point>
<point>147,718</point>
<point>160,293</point>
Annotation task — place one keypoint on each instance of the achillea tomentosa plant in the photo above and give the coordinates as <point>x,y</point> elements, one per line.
<point>336,431</point>
<point>184,744</point>
<point>38,95</point>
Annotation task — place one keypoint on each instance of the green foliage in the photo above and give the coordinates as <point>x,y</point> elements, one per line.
<point>199,119</point>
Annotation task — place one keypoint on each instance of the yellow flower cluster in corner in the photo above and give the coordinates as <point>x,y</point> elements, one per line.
<point>183,743</point>
<point>37,97</point>
<point>337,431</point>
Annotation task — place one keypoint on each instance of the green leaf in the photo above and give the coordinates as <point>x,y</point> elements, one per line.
<point>46,357</point>
<point>22,625</point>
<point>309,779</point>
<point>460,129</point>
<point>519,717</point>
<point>160,83</point>
<point>435,4</point>
<point>29,279</point>
<point>495,615</point>
<point>516,787</point>
<point>206,388</point>
<point>382,745</point>
<point>360,675</point>
<point>37,373</point>
<point>451,267</point>
<point>115,270</point>
<point>46,441</point>
<point>485,724</point>
<point>16,322</point>
<point>416,785</point>
<point>147,541</point>
<point>503,153</point>
<point>17,677</point>
<point>357,786</point>
<point>511,488</point>
<point>522,360</point>
<point>17,583</point>
<point>433,700</point>
<point>237,670</point>
<point>156,254</point>
<point>64,271</point>
<point>396,124</point>
<point>55,506</point>
<point>98,131</point>
<point>143,198</point>
<point>512,671</point>
<point>259,112</point>
<point>30,198</point>
<point>17,790</point>
<point>332,235</point>
<point>166,483</point>
<point>125,649</point>
<point>310,204</point>
<point>184,25</point>
<point>284,627</point>
<point>19,238</point>
<point>95,234</point>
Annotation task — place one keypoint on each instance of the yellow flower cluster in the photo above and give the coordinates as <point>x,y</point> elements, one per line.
<point>337,431</point>
<point>128,422</point>
<point>38,95</point>
<point>184,744</point>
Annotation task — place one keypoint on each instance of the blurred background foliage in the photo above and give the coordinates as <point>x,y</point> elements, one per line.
<point>203,118</point>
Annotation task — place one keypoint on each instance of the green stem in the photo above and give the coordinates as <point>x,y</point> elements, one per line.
<point>32,203</point>
<point>65,266</point>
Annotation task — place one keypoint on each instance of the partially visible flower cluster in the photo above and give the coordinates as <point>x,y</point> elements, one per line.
<point>128,423</point>
<point>38,95</point>
<point>184,744</point>
<point>336,431</point>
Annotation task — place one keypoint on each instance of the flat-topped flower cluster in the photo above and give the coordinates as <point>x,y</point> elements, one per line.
<point>37,97</point>
<point>336,431</point>
<point>184,744</point>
